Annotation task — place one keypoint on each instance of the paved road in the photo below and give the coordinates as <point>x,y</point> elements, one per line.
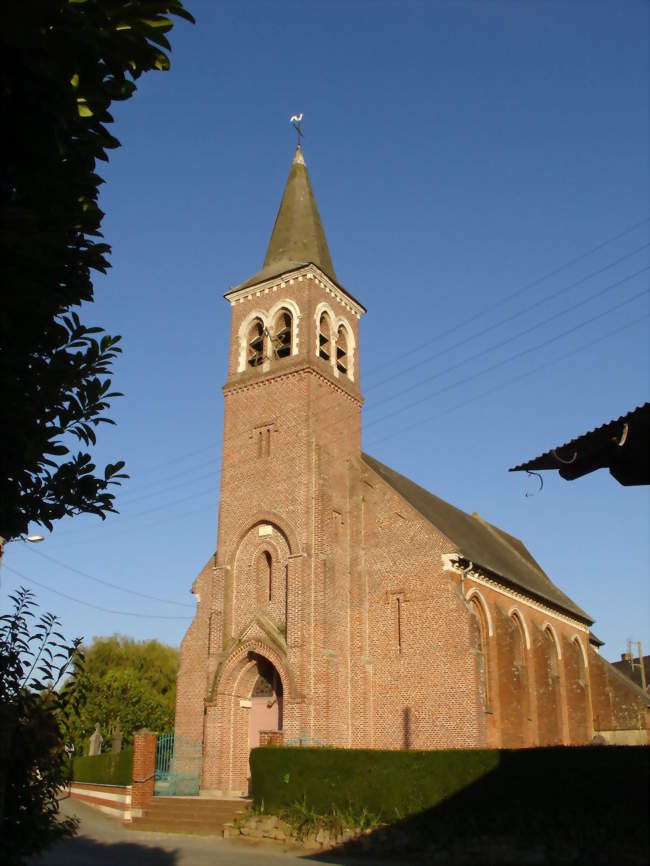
<point>103,841</point>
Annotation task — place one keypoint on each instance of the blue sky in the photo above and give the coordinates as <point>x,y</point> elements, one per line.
<point>462,155</point>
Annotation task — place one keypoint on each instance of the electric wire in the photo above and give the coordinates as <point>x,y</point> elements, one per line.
<point>338,420</point>
<point>513,337</point>
<point>538,303</point>
<point>165,487</point>
<point>514,379</point>
<point>117,586</point>
<point>511,358</point>
<point>520,291</point>
<point>89,604</point>
<point>389,397</point>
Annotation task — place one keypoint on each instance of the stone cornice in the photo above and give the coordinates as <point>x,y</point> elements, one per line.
<point>290,278</point>
<point>236,387</point>
<point>451,563</point>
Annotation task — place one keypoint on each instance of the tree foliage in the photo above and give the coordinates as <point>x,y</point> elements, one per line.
<point>34,659</point>
<point>123,681</point>
<point>63,63</point>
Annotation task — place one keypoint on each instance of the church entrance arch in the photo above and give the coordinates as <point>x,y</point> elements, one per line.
<point>249,698</point>
<point>266,702</point>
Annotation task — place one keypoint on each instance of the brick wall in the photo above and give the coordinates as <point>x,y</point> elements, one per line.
<point>323,570</point>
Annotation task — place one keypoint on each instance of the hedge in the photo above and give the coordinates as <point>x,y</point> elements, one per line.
<point>111,768</point>
<point>387,783</point>
<point>506,787</point>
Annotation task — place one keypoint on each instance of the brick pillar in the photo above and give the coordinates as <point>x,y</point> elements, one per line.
<point>271,738</point>
<point>144,767</point>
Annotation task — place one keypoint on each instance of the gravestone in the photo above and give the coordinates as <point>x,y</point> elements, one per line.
<point>96,741</point>
<point>116,739</point>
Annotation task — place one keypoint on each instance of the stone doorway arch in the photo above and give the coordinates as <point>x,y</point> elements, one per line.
<point>249,697</point>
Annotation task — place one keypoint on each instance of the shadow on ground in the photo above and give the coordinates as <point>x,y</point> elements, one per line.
<point>519,814</point>
<point>82,851</point>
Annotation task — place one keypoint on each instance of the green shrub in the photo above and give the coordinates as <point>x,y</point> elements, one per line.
<point>387,784</point>
<point>506,789</point>
<point>111,768</point>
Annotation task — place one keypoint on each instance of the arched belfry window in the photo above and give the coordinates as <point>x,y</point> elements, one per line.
<point>283,335</point>
<point>256,343</point>
<point>342,351</point>
<point>324,338</point>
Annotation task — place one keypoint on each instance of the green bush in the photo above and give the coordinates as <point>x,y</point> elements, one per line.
<point>111,768</point>
<point>508,788</point>
<point>385,783</point>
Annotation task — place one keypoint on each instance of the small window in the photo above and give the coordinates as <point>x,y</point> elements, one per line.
<point>256,344</point>
<point>324,338</point>
<point>519,641</point>
<point>282,342</point>
<point>551,648</point>
<point>342,351</point>
<point>264,577</point>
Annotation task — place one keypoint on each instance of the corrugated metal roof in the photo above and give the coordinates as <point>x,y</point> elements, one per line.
<point>621,445</point>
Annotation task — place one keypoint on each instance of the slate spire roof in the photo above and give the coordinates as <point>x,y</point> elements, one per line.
<point>298,237</point>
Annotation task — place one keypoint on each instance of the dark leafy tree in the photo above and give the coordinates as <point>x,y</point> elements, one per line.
<point>62,64</point>
<point>34,659</point>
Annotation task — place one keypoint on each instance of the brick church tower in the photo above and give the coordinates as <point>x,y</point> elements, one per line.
<point>346,605</point>
<point>292,424</point>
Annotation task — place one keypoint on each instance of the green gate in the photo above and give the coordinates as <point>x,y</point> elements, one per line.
<point>178,767</point>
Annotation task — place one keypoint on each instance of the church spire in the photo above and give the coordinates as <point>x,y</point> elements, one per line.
<point>298,237</point>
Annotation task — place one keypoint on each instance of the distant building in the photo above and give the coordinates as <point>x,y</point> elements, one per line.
<point>346,605</point>
<point>638,670</point>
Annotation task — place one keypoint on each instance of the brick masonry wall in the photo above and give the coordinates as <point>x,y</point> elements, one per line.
<point>376,640</point>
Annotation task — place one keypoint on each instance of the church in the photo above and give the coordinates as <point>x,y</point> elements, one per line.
<point>345,605</point>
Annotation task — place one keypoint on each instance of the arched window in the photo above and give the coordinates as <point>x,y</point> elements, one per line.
<point>264,577</point>
<point>551,649</point>
<point>283,339</point>
<point>324,337</point>
<point>342,351</point>
<point>477,609</point>
<point>579,662</point>
<point>256,343</point>
<point>519,644</point>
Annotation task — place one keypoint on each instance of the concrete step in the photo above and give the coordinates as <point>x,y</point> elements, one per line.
<point>189,815</point>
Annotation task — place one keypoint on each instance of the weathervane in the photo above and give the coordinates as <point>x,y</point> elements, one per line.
<point>295,120</point>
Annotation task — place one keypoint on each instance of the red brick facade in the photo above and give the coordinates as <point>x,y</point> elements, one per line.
<point>378,636</point>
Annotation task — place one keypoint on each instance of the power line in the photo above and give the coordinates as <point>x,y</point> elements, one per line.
<point>522,290</point>
<point>419,384</point>
<point>165,487</point>
<point>514,379</point>
<point>188,481</point>
<point>88,604</point>
<point>515,357</point>
<point>508,319</point>
<point>513,337</point>
<point>106,582</point>
<point>177,459</point>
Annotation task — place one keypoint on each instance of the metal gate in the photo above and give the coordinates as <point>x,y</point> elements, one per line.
<point>178,767</point>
